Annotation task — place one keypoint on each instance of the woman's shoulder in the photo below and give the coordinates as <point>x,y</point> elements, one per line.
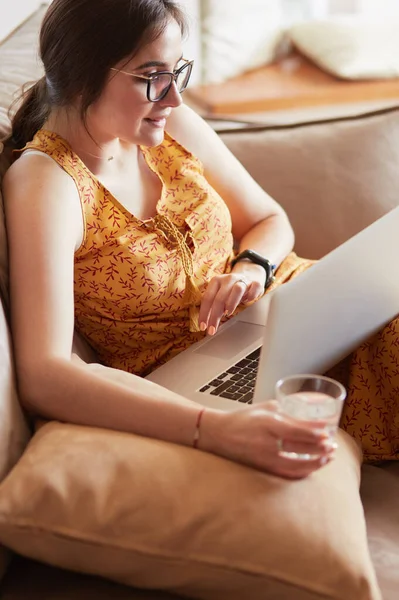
<point>33,167</point>
<point>36,185</point>
<point>191,131</point>
<point>35,179</point>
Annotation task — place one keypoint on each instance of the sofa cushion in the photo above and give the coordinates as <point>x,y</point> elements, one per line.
<point>157,515</point>
<point>30,580</point>
<point>333,178</point>
<point>349,46</point>
<point>243,43</point>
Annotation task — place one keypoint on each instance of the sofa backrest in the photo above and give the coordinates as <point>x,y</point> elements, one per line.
<point>332,177</point>
<point>18,65</point>
<point>14,429</point>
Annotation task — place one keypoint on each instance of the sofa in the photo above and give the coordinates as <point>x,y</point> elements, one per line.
<point>334,178</point>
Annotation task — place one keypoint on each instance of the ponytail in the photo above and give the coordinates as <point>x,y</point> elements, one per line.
<point>31,115</point>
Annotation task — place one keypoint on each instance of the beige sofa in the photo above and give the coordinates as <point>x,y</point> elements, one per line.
<point>333,178</point>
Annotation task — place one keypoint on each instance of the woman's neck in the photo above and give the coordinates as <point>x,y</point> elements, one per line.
<point>97,150</point>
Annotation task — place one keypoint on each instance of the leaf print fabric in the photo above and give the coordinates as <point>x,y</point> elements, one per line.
<point>129,276</point>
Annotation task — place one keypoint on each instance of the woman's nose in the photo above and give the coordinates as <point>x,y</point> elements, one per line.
<point>173,97</point>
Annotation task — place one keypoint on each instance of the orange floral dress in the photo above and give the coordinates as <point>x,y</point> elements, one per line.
<point>137,285</point>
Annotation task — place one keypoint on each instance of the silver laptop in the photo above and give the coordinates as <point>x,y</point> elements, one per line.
<point>305,326</point>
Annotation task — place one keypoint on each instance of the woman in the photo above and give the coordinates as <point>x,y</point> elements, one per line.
<point>117,226</point>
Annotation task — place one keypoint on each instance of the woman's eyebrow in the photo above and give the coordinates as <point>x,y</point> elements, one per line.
<point>154,63</point>
<point>150,63</point>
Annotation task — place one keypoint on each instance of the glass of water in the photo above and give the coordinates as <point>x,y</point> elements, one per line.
<point>312,398</point>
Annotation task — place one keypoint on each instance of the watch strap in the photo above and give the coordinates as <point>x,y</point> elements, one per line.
<point>258,259</point>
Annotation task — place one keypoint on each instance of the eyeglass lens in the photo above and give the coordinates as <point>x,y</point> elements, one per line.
<point>160,84</point>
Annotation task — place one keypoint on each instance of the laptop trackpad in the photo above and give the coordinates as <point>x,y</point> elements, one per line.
<point>231,341</point>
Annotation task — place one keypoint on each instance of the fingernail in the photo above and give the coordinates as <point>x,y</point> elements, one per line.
<point>321,434</point>
<point>211,330</point>
<point>324,460</point>
<point>329,445</point>
<point>202,326</point>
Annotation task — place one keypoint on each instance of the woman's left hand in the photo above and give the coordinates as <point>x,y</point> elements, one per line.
<point>225,292</point>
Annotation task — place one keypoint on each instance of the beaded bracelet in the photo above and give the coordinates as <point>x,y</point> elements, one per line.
<point>197,428</point>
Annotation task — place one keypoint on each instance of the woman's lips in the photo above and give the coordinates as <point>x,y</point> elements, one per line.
<point>161,122</point>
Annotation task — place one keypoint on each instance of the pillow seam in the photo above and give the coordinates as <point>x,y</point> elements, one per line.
<point>221,567</point>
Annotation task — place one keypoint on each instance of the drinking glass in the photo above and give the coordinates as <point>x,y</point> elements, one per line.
<point>310,398</point>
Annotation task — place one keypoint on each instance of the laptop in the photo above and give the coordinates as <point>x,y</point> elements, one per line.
<point>306,325</point>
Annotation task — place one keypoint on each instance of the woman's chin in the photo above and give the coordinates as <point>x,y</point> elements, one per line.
<point>151,138</point>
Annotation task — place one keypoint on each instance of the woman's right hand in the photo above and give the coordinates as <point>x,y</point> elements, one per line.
<point>254,435</point>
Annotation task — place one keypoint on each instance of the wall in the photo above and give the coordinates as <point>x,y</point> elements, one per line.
<point>192,46</point>
<point>343,6</point>
<point>13,12</point>
<point>387,8</point>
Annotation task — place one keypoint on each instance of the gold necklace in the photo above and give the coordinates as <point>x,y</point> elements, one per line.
<point>95,155</point>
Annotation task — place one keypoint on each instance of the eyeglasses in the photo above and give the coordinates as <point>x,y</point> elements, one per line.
<point>159,84</point>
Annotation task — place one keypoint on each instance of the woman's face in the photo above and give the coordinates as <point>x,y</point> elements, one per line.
<point>123,110</point>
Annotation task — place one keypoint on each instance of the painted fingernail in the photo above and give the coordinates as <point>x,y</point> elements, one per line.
<point>324,460</point>
<point>203,326</point>
<point>329,445</point>
<point>211,330</point>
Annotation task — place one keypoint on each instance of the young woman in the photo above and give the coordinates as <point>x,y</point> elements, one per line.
<point>121,212</point>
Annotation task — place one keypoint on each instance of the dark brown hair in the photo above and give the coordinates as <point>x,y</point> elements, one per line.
<point>80,40</point>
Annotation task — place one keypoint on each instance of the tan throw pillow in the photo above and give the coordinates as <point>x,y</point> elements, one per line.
<point>157,515</point>
<point>350,47</point>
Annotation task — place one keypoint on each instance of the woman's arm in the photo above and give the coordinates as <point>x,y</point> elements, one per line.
<point>259,222</point>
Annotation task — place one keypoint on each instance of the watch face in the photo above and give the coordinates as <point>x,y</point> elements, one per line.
<point>258,259</point>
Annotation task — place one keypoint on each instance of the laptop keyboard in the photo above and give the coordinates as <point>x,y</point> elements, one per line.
<point>238,382</point>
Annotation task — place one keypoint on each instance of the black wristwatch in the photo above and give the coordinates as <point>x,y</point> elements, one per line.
<point>258,259</point>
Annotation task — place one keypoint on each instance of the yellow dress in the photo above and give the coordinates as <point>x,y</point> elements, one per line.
<point>137,284</point>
